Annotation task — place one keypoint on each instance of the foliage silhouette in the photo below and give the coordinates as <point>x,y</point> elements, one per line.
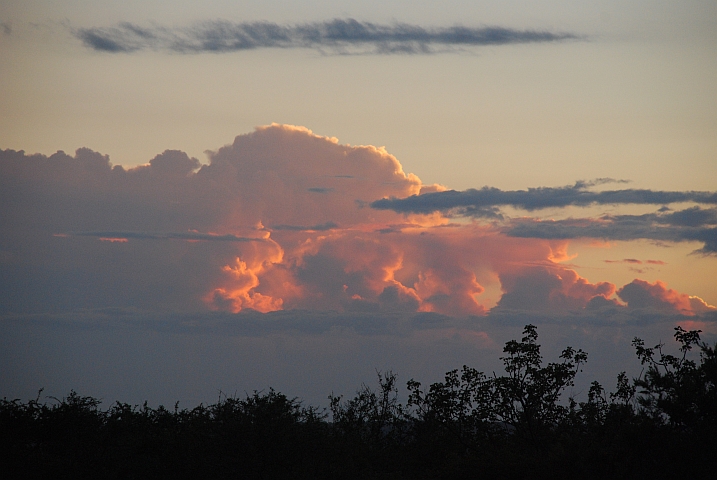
<point>470,425</point>
<point>677,390</point>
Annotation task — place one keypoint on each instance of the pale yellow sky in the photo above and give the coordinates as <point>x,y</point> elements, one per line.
<point>636,100</point>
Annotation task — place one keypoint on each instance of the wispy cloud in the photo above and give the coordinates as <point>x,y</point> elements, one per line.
<point>312,228</point>
<point>191,236</point>
<point>482,203</point>
<point>342,36</point>
<point>694,224</point>
<point>689,225</point>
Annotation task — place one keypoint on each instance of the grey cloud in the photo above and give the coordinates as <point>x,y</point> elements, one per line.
<point>638,297</point>
<point>168,236</point>
<point>320,190</point>
<point>103,41</point>
<point>692,224</point>
<point>251,323</point>
<point>599,313</point>
<point>299,228</point>
<point>482,203</point>
<point>337,36</point>
<point>690,217</point>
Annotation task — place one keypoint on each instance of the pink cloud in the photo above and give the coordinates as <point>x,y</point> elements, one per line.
<point>640,294</point>
<point>277,220</point>
<point>550,290</point>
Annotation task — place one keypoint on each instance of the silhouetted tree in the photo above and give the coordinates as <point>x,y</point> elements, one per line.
<point>662,424</point>
<point>676,389</point>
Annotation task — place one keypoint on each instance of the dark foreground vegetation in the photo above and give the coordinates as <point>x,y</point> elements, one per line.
<point>471,425</point>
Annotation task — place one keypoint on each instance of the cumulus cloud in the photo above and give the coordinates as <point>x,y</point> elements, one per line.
<point>657,298</point>
<point>220,251</point>
<point>336,36</point>
<point>268,263</point>
<point>278,221</point>
<point>550,291</point>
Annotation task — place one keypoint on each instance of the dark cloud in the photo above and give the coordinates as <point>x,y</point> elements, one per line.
<point>104,42</point>
<point>302,228</point>
<point>633,261</point>
<point>690,225</point>
<point>656,299</point>
<point>552,291</point>
<point>482,203</point>
<point>690,217</point>
<point>661,303</point>
<point>320,190</point>
<point>192,236</point>
<point>337,36</point>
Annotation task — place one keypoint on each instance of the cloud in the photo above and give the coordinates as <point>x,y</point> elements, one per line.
<point>314,228</point>
<point>336,36</point>
<point>481,203</point>
<point>689,217</point>
<point>179,236</point>
<point>657,298</point>
<point>553,291</point>
<point>690,225</point>
<point>693,224</point>
<point>278,221</point>
<point>173,280</point>
<point>190,236</point>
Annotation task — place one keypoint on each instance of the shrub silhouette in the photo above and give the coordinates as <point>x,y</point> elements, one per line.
<point>470,425</point>
<point>677,390</point>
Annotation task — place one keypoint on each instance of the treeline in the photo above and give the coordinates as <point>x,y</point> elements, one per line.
<point>471,425</point>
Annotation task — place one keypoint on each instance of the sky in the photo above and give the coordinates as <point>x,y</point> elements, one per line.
<point>231,196</point>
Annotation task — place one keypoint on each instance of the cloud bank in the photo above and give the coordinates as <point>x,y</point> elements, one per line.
<point>667,227</point>
<point>693,224</point>
<point>286,220</point>
<point>336,36</point>
<point>473,202</point>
